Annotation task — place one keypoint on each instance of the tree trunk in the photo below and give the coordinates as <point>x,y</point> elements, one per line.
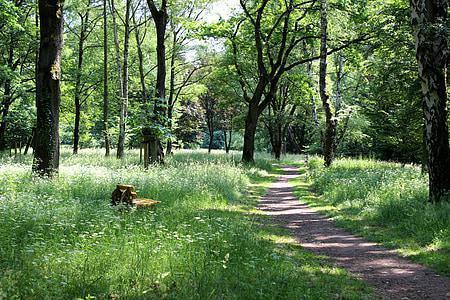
<point>124,104</point>
<point>251,122</point>
<point>312,99</point>
<point>171,89</point>
<point>76,128</point>
<point>105,80</point>
<point>211,141</point>
<point>331,122</point>
<point>141,62</point>
<point>160,19</point>
<point>169,117</point>
<point>48,94</point>
<point>83,30</point>
<point>339,61</point>
<point>161,73</point>
<point>429,20</point>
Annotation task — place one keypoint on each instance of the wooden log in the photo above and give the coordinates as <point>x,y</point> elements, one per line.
<point>145,203</point>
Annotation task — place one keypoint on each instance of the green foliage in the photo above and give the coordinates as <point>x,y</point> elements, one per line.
<point>61,239</point>
<point>387,202</point>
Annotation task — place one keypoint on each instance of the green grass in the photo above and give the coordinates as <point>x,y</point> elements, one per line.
<point>60,239</point>
<point>385,202</point>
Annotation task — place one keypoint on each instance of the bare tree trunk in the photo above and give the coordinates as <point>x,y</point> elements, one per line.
<point>117,48</point>
<point>141,61</point>
<point>124,104</point>
<point>339,61</point>
<point>170,105</point>
<point>429,20</point>
<point>105,80</point>
<point>313,99</point>
<point>331,122</point>
<point>84,20</point>
<point>48,94</point>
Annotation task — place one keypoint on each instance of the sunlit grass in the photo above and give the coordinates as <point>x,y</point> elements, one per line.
<point>60,238</point>
<point>386,202</point>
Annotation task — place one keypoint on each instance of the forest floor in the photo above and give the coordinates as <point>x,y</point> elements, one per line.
<point>391,275</point>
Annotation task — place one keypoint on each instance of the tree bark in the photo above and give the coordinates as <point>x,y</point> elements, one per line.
<point>48,94</point>
<point>124,104</point>
<point>105,80</point>
<point>329,141</point>
<point>429,20</point>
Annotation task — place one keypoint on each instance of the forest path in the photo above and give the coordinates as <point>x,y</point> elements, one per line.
<point>392,276</point>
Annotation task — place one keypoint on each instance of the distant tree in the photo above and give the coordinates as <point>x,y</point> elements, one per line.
<point>48,94</point>
<point>209,105</point>
<point>189,125</point>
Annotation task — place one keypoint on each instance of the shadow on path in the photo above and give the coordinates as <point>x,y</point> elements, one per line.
<point>392,277</point>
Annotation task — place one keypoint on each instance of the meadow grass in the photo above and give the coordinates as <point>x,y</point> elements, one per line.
<point>61,239</point>
<point>386,202</point>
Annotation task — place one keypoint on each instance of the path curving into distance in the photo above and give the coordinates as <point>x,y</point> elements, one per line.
<point>392,276</point>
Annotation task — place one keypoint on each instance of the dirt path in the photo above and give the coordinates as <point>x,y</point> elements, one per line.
<point>391,276</point>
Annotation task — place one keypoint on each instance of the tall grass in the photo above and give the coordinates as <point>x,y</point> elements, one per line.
<point>60,238</point>
<point>388,202</point>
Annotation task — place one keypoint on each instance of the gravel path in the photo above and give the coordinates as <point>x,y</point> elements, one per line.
<point>391,276</point>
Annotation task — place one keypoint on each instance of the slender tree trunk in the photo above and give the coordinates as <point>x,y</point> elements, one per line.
<point>79,71</point>
<point>141,62</point>
<point>331,122</point>
<point>313,99</point>
<point>124,104</point>
<point>170,120</point>
<point>429,20</point>
<point>48,94</point>
<point>117,49</point>
<point>105,80</point>
<point>227,138</point>
<point>211,140</point>
<point>339,61</point>
<point>171,89</point>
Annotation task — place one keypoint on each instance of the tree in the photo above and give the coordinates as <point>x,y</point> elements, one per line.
<point>160,18</point>
<point>125,77</point>
<point>48,94</point>
<point>329,139</point>
<point>209,105</point>
<point>105,80</point>
<point>429,20</point>
<point>82,37</point>
<point>17,46</point>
